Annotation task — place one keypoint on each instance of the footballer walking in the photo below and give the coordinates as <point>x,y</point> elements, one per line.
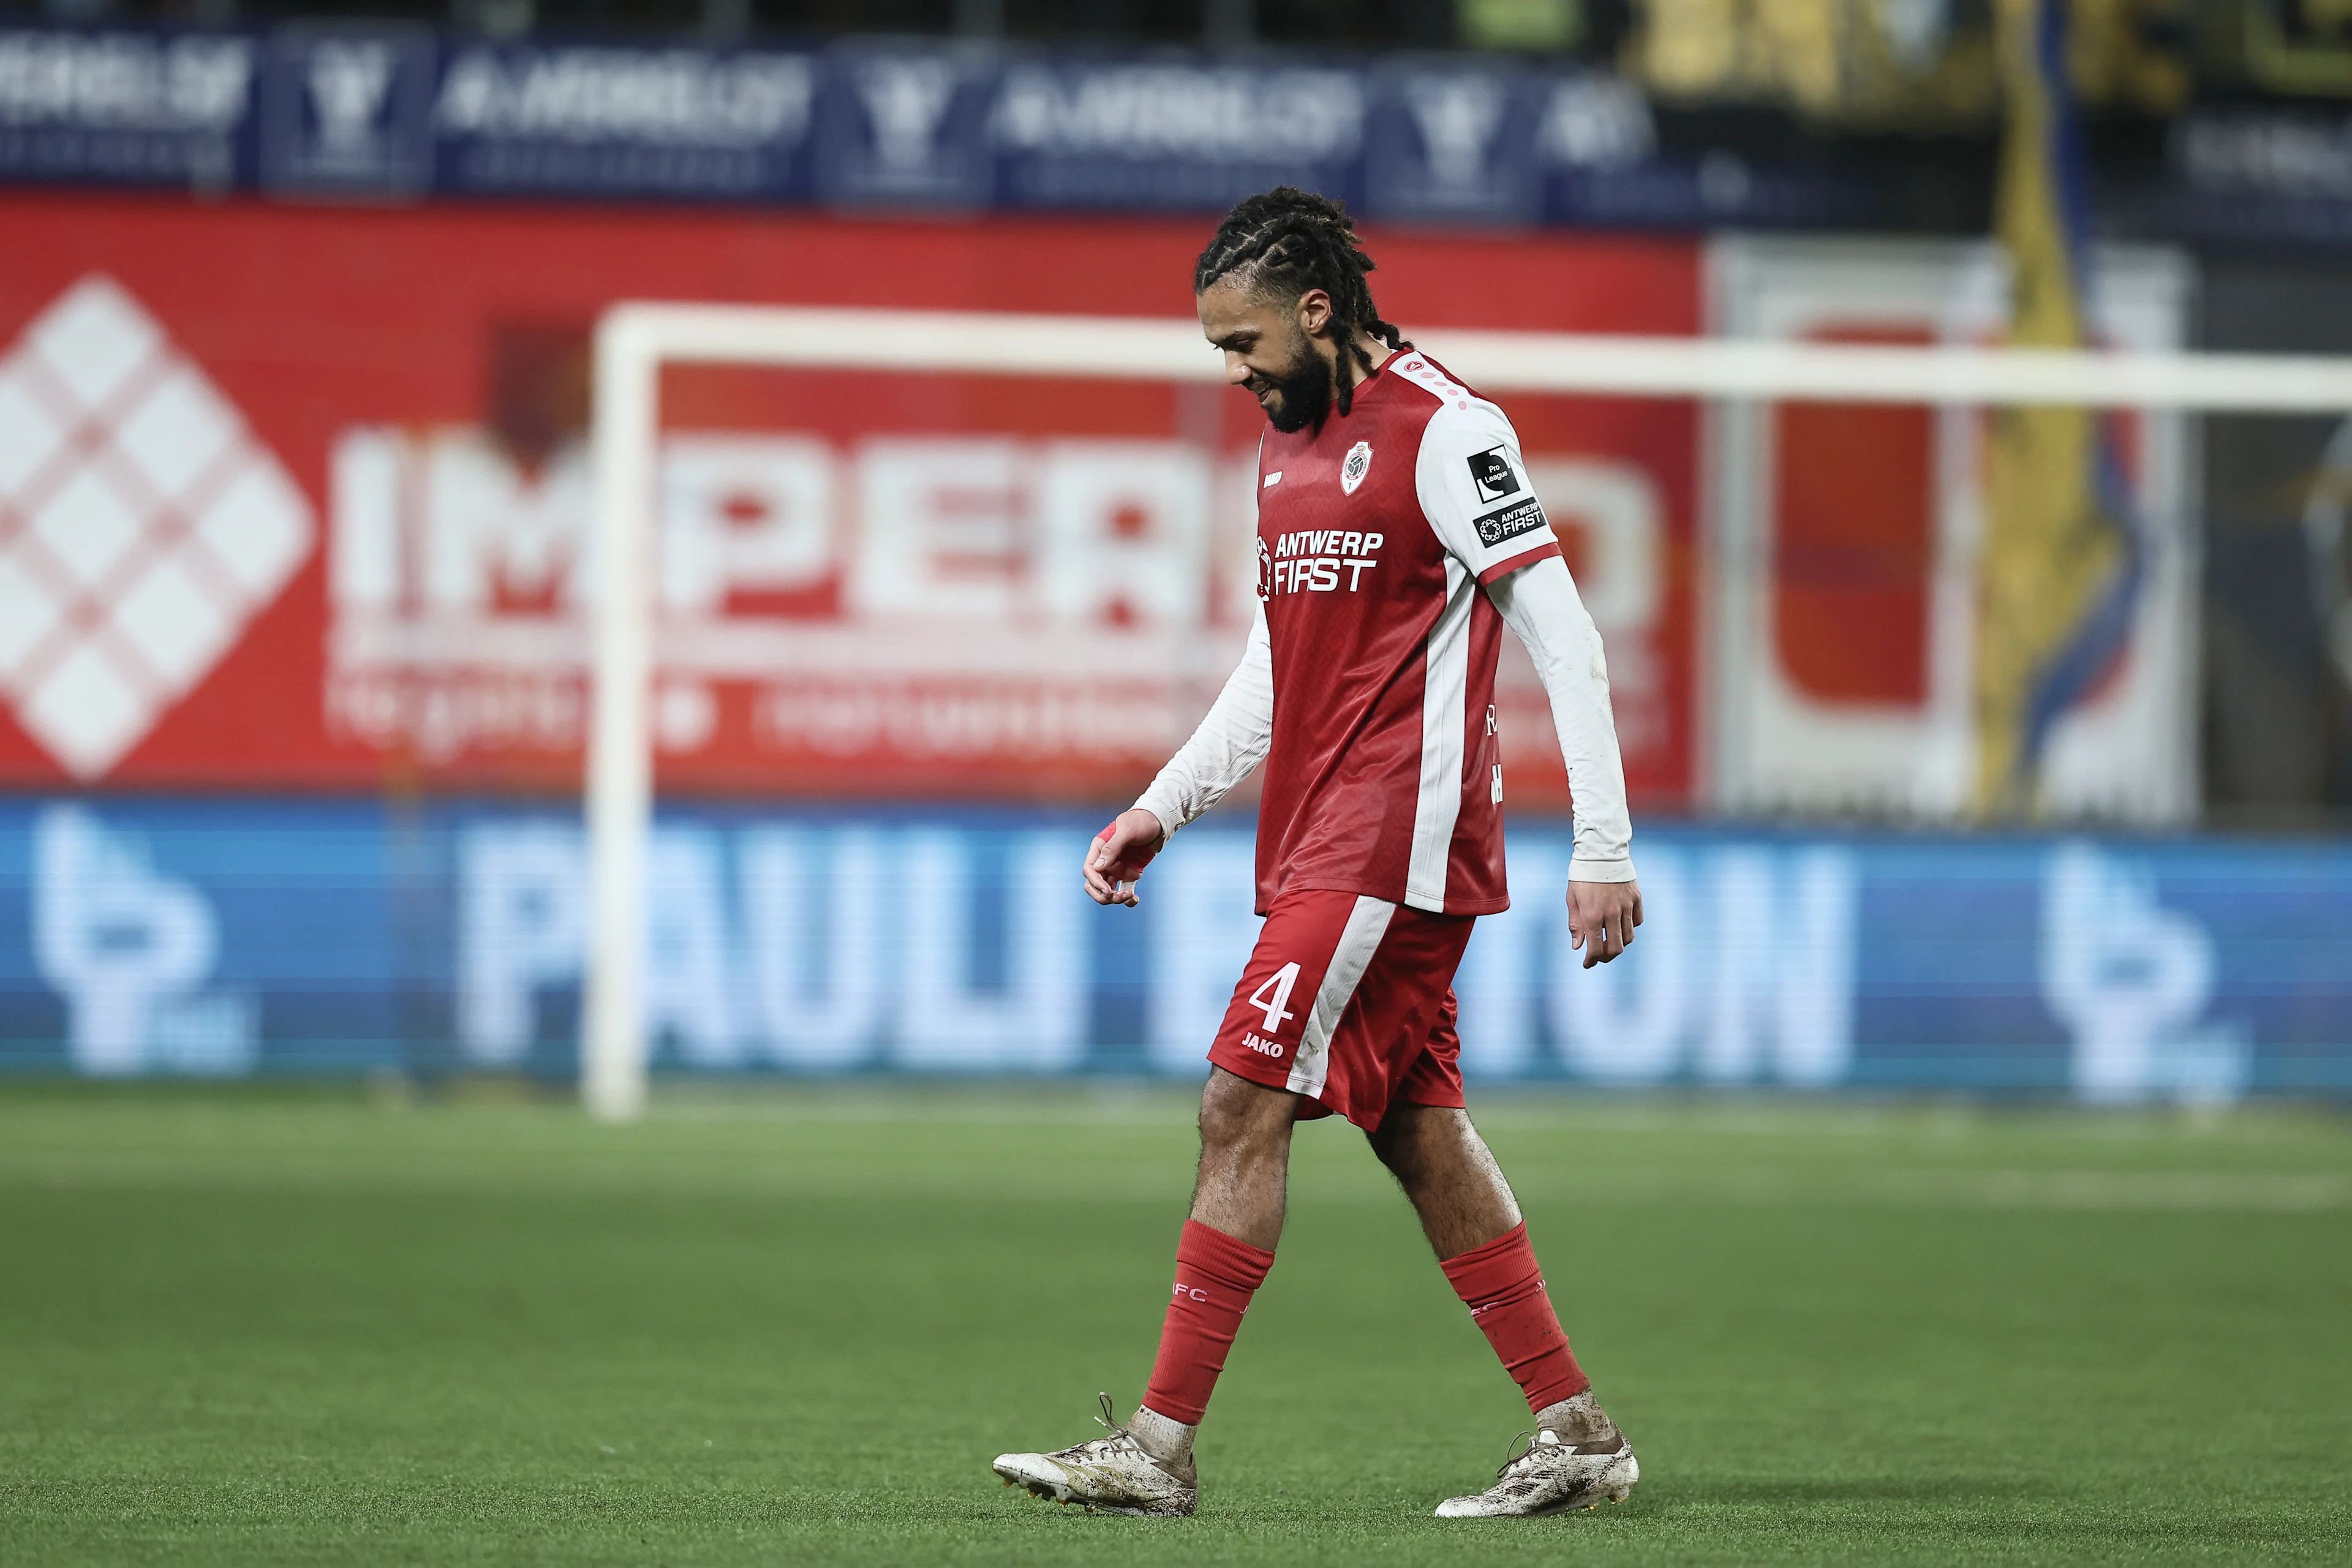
<point>1397,536</point>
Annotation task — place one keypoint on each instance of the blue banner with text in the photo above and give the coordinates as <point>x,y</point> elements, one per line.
<point>387,110</point>
<point>231,938</point>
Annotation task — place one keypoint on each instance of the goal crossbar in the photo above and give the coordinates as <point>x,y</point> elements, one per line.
<point>634,339</point>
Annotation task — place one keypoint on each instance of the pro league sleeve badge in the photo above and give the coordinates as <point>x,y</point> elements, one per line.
<point>1491,473</point>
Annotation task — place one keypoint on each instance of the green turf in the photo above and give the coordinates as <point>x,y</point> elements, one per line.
<point>793,1328</point>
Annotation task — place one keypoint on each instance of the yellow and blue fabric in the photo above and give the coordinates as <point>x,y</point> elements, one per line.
<point>2064,553</point>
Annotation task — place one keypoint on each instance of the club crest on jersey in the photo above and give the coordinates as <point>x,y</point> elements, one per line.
<point>1358,464</point>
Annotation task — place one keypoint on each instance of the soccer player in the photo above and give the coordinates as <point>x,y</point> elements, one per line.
<point>1397,534</point>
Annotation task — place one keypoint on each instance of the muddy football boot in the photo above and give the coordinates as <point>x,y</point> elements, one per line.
<point>1578,1458</point>
<point>1110,1474</point>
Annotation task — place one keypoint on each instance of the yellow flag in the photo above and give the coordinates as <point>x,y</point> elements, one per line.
<point>2061,563</point>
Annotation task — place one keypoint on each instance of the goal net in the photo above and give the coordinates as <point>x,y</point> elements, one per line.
<point>1731,504</point>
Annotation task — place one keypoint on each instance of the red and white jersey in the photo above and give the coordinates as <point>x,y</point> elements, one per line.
<point>1369,686</point>
<point>1373,536</point>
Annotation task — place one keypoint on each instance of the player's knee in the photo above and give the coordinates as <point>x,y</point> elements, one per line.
<point>1228,1129</point>
<point>1237,1116</point>
<point>1413,1141</point>
<point>1403,1159</point>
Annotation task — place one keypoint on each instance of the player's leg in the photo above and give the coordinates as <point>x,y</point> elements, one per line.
<point>1222,1256</point>
<point>1247,1109</point>
<point>1145,1466</point>
<point>1578,1456</point>
<point>1244,1175</point>
<point>1473,1225</point>
<point>1454,1181</point>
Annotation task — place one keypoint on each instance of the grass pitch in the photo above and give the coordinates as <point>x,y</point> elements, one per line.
<point>794,1327</point>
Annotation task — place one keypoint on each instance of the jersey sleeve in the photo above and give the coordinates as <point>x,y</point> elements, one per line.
<point>1543,608</point>
<point>1231,740</point>
<point>1473,489</point>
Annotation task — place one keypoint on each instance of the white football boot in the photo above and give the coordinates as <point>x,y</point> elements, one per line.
<point>1575,1458</point>
<point>1111,1474</point>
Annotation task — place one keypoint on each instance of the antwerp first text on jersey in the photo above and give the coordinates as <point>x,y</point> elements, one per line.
<point>1376,530</point>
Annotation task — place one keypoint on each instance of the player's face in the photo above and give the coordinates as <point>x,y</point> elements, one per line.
<point>1269,348</point>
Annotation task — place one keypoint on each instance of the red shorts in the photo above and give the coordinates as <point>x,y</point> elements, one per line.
<point>1349,1001</point>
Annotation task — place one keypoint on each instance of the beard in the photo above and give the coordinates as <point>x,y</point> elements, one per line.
<point>1302,389</point>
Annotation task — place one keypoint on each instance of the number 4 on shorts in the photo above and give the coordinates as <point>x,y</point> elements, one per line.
<point>1273,993</point>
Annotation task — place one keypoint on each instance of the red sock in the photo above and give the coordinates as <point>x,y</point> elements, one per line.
<point>1215,1277</point>
<point>1504,1289</point>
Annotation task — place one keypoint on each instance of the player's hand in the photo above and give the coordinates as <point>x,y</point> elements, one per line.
<point>1118,855</point>
<point>1601,917</point>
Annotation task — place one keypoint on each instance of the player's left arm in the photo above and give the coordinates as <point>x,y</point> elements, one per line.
<point>1474,489</point>
<point>1540,605</point>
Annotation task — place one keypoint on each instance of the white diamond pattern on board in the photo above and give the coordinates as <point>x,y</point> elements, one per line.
<point>142,525</point>
<point>94,338</point>
<point>86,708</point>
<point>171,620</point>
<point>27,615</point>
<point>179,431</point>
<point>28,436</point>
<point>260,529</point>
<point>86,527</point>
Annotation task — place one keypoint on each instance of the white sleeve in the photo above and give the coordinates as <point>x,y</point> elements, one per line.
<point>1541,605</point>
<point>1473,487</point>
<point>1230,741</point>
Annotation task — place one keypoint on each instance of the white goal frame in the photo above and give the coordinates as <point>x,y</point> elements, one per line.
<point>635,340</point>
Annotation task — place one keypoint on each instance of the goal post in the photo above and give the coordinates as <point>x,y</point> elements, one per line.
<point>635,340</point>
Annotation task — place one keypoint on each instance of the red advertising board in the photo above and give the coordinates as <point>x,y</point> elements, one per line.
<point>295,498</point>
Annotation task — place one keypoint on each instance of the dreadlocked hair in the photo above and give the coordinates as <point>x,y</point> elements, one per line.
<point>1284,241</point>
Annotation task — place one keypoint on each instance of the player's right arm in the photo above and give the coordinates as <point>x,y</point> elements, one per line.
<point>1230,741</point>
